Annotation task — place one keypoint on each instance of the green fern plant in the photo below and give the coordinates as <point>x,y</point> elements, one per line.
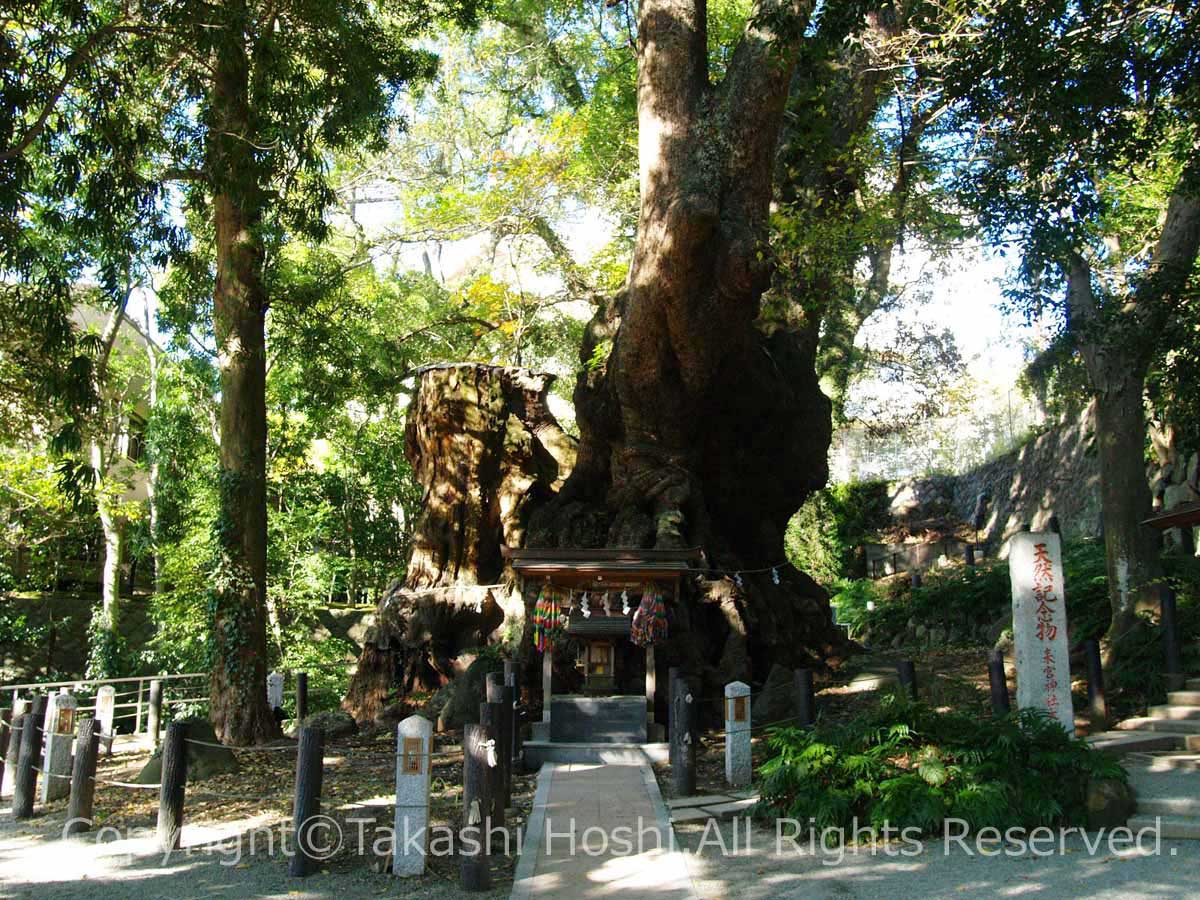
<point>906,765</point>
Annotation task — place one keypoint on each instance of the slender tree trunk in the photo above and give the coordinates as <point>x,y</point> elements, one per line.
<point>238,704</point>
<point>113,528</point>
<point>1131,548</point>
<point>103,444</point>
<point>1118,350</point>
<point>153,467</point>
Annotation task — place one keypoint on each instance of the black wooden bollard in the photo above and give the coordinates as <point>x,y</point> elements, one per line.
<point>510,680</point>
<point>1170,627</point>
<point>497,692</point>
<point>6,721</point>
<point>672,676</point>
<point>83,778</point>
<point>25,778</point>
<point>301,696</point>
<point>969,554</point>
<point>490,716</point>
<point>999,684</point>
<point>806,707</point>
<point>683,738</point>
<point>13,739</point>
<point>172,787</point>
<point>154,713</point>
<point>310,770</point>
<point>916,579</point>
<point>1097,705</point>
<point>475,868</point>
<point>907,670</point>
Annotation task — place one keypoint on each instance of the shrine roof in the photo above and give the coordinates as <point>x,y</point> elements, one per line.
<point>1181,516</point>
<point>616,561</point>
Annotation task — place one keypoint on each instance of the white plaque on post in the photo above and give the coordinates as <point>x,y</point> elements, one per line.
<point>1040,625</point>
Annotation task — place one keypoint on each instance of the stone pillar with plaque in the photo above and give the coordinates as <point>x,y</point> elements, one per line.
<point>737,734</point>
<point>414,747</point>
<point>60,738</point>
<point>1040,625</point>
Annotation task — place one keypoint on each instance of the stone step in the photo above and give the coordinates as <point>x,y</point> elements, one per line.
<point>1172,827</point>
<point>1164,784</point>
<point>1172,805</point>
<point>1135,741</point>
<point>1184,698</point>
<point>538,752</point>
<point>1193,684</point>
<point>1175,711</point>
<point>1163,762</point>
<point>1146,723</point>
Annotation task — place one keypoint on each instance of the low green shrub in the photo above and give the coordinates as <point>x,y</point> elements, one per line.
<point>904,765</point>
<point>824,537</point>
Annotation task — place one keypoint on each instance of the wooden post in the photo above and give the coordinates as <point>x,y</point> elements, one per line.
<point>547,679</point>
<point>490,716</point>
<point>172,787</point>
<point>510,680</point>
<point>154,711</point>
<point>137,713</point>
<point>83,778</point>
<point>25,778</point>
<point>310,770</point>
<point>13,745</point>
<point>6,721</point>
<point>969,554</point>
<point>672,690</point>
<point>683,741</point>
<point>1170,626</point>
<point>999,684</point>
<point>907,670</point>
<point>301,697</point>
<point>916,579</point>
<point>651,688</point>
<point>1097,706</point>
<point>806,704</point>
<point>475,869</point>
<point>498,692</point>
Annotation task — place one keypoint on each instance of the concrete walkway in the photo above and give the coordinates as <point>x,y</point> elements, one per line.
<point>600,831</point>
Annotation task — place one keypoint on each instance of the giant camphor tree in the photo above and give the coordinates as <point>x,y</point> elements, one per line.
<point>701,419</point>
<point>704,426</point>
<point>224,112</point>
<point>1082,126</point>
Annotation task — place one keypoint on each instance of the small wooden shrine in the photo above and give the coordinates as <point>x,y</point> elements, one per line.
<point>602,606</point>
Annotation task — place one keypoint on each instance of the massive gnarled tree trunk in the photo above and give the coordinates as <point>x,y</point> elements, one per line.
<point>705,428</point>
<point>486,449</point>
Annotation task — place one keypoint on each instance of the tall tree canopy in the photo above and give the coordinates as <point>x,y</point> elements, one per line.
<point>123,123</point>
<point>1081,126</point>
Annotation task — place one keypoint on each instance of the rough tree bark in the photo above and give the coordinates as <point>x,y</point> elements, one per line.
<point>483,444</point>
<point>1118,337</point>
<point>704,429</point>
<point>238,703</point>
<point>102,451</point>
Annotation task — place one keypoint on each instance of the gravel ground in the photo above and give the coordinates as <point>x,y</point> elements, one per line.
<point>763,873</point>
<point>233,843</point>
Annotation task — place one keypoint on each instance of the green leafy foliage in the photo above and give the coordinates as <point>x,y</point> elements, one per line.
<point>904,765</point>
<point>982,595</point>
<point>824,536</point>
